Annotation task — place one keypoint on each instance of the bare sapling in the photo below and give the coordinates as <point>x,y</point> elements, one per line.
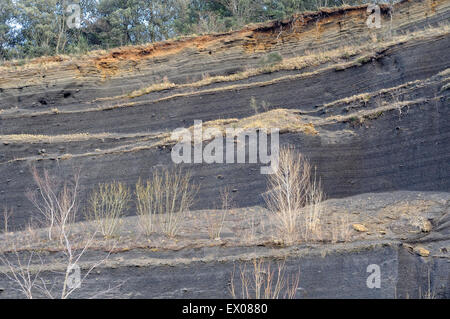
<point>294,198</point>
<point>23,272</point>
<point>56,201</point>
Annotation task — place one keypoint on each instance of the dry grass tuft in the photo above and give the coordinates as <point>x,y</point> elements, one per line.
<point>340,228</point>
<point>264,282</point>
<point>163,200</point>
<point>7,213</point>
<point>294,197</point>
<point>108,203</point>
<point>283,119</point>
<point>152,88</point>
<point>214,224</point>
<point>38,138</point>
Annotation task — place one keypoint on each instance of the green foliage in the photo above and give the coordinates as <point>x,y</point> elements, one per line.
<point>6,15</point>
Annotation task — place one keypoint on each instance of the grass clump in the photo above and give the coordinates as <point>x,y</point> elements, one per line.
<point>163,200</point>
<point>260,280</point>
<point>215,225</point>
<point>294,198</point>
<point>165,85</point>
<point>108,204</point>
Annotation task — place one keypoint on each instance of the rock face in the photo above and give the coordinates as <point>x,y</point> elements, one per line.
<point>377,99</point>
<point>368,107</point>
<point>415,267</point>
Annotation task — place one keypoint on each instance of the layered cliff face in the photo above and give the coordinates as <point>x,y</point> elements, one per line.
<point>368,106</point>
<point>377,100</point>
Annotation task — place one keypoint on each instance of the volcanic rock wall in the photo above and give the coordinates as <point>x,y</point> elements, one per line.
<point>377,99</point>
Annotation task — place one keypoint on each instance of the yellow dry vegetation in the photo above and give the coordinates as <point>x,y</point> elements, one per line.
<point>300,62</point>
<point>33,138</point>
<point>153,88</point>
<point>295,63</point>
<point>283,119</point>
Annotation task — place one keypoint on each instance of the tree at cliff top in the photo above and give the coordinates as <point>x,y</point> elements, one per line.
<point>30,28</point>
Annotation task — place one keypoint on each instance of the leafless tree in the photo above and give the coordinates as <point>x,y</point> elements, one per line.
<point>21,273</point>
<point>55,200</point>
<point>294,197</point>
<point>58,206</point>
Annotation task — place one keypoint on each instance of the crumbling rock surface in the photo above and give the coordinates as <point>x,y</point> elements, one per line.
<point>375,103</point>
